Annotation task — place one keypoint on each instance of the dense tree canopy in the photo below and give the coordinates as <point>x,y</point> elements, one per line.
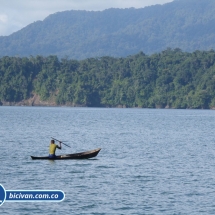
<point>172,78</point>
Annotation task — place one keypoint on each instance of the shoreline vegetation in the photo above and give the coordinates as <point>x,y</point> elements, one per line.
<point>170,79</point>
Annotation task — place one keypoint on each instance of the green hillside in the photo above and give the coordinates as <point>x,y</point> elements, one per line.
<point>169,79</point>
<point>187,24</point>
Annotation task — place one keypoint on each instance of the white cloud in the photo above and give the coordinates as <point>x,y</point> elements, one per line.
<point>3,18</point>
<point>16,14</point>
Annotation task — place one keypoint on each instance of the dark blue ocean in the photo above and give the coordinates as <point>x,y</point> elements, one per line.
<point>153,161</point>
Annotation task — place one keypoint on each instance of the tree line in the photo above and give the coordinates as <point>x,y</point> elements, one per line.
<point>169,79</point>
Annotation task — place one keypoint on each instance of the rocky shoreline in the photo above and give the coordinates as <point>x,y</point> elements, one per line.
<point>37,102</point>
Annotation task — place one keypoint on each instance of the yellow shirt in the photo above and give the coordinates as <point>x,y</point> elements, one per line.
<point>52,148</point>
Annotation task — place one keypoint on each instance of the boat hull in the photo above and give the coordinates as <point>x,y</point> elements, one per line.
<point>81,155</point>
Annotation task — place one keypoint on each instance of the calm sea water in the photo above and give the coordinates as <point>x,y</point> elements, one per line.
<point>151,162</point>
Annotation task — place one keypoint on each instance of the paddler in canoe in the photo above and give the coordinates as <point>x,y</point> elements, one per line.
<point>53,147</point>
<point>80,155</point>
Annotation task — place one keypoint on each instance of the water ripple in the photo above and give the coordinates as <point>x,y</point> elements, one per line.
<point>151,162</point>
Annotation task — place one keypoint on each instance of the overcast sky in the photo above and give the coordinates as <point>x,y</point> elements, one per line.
<point>16,14</point>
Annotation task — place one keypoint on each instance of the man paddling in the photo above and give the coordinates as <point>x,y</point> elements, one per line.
<point>52,148</point>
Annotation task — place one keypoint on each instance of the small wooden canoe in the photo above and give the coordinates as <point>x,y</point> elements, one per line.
<point>81,155</point>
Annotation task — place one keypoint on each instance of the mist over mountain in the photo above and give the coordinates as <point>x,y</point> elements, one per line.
<point>185,24</point>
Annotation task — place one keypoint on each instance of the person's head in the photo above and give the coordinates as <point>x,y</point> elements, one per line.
<point>52,141</point>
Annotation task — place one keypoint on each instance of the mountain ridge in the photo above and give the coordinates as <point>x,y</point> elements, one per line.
<point>187,25</point>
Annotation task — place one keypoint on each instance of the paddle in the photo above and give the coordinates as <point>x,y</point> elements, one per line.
<point>61,142</point>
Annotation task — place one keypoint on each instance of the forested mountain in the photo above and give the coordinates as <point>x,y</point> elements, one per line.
<point>185,24</point>
<point>170,79</point>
